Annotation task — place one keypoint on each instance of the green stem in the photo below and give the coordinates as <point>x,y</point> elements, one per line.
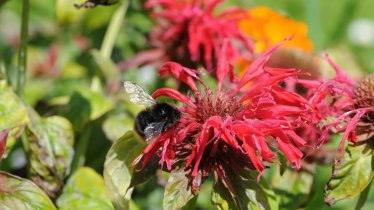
<point>81,149</point>
<point>22,54</point>
<point>113,30</point>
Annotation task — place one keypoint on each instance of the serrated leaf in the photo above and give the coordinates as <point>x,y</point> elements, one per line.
<point>246,194</point>
<point>20,194</point>
<point>84,191</point>
<point>177,191</point>
<point>118,170</point>
<point>293,188</point>
<point>50,143</point>
<point>351,174</point>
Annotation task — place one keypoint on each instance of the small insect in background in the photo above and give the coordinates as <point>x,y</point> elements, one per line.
<point>156,118</point>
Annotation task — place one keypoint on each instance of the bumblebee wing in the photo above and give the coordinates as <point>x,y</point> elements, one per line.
<point>153,130</point>
<point>137,94</point>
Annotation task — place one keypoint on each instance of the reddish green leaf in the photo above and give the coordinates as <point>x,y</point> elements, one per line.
<point>18,193</point>
<point>50,142</point>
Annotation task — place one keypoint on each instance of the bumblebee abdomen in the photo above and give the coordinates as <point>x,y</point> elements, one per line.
<point>142,120</point>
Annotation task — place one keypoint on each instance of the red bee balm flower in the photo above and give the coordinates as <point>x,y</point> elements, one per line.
<point>341,106</point>
<point>188,33</point>
<point>234,127</point>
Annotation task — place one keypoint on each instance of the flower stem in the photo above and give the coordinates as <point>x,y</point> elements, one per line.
<point>113,30</point>
<point>81,149</point>
<point>22,53</point>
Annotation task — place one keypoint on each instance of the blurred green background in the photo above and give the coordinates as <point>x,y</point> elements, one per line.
<point>65,36</point>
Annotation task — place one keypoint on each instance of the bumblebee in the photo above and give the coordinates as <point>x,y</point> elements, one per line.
<point>156,118</point>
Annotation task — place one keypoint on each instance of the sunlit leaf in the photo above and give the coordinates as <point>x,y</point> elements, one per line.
<point>84,191</point>
<point>50,142</point>
<point>351,174</point>
<point>18,193</point>
<point>293,188</point>
<point>177,191</point>
<point>12,115</point>
<point>118,170</point>
<point>244,193</point>
<point>12,110</point>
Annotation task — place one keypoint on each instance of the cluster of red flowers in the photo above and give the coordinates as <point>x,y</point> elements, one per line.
<point>190,33</point>
<point>247,119</point>
<point>234,127</point>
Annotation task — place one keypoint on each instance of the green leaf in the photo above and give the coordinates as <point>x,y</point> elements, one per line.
<point>79,111</point>
<point>50,143</point>
<point>87,105</point>
<point>351,174</point>
<point>100,104</point>
<point>109,70</point>
<point>12,115</point>
<point>84,191</point>
<point>177,191</point>
<point>18,193</point>
<point>116,124</point>
<point>293,188</point>
<point>118,170</point>
<point>243,193</point>
<point>12,110</point>
<point>363,198</point>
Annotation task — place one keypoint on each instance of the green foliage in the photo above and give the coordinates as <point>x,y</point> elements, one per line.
<point>238,192</point>
<point>84,190</point>
<point>293,188</point>
<point>12,110</point>
<point>351,174</point>
<point>177,191</point>
<point>118,169</point>
<point>50,142</point>
<point>22,194</point>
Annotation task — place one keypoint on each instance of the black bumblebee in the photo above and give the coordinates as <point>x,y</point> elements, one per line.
<point>156,118</point>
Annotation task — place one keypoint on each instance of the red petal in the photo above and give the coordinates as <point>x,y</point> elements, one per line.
<point>249,148</point>
<point>223,66</point>
<point>290,151</point>
<point>171,93</point>
<point>181,73</point>
<point>257,64</point>
<point>3,140</point>
<point>341,76</point>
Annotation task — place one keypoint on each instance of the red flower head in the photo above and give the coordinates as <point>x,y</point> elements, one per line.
<point>234,127</point>
<point>188,33</point>
<point>337,107</point>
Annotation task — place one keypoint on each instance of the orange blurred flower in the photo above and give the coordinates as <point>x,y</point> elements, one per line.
<point>267,27</point>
